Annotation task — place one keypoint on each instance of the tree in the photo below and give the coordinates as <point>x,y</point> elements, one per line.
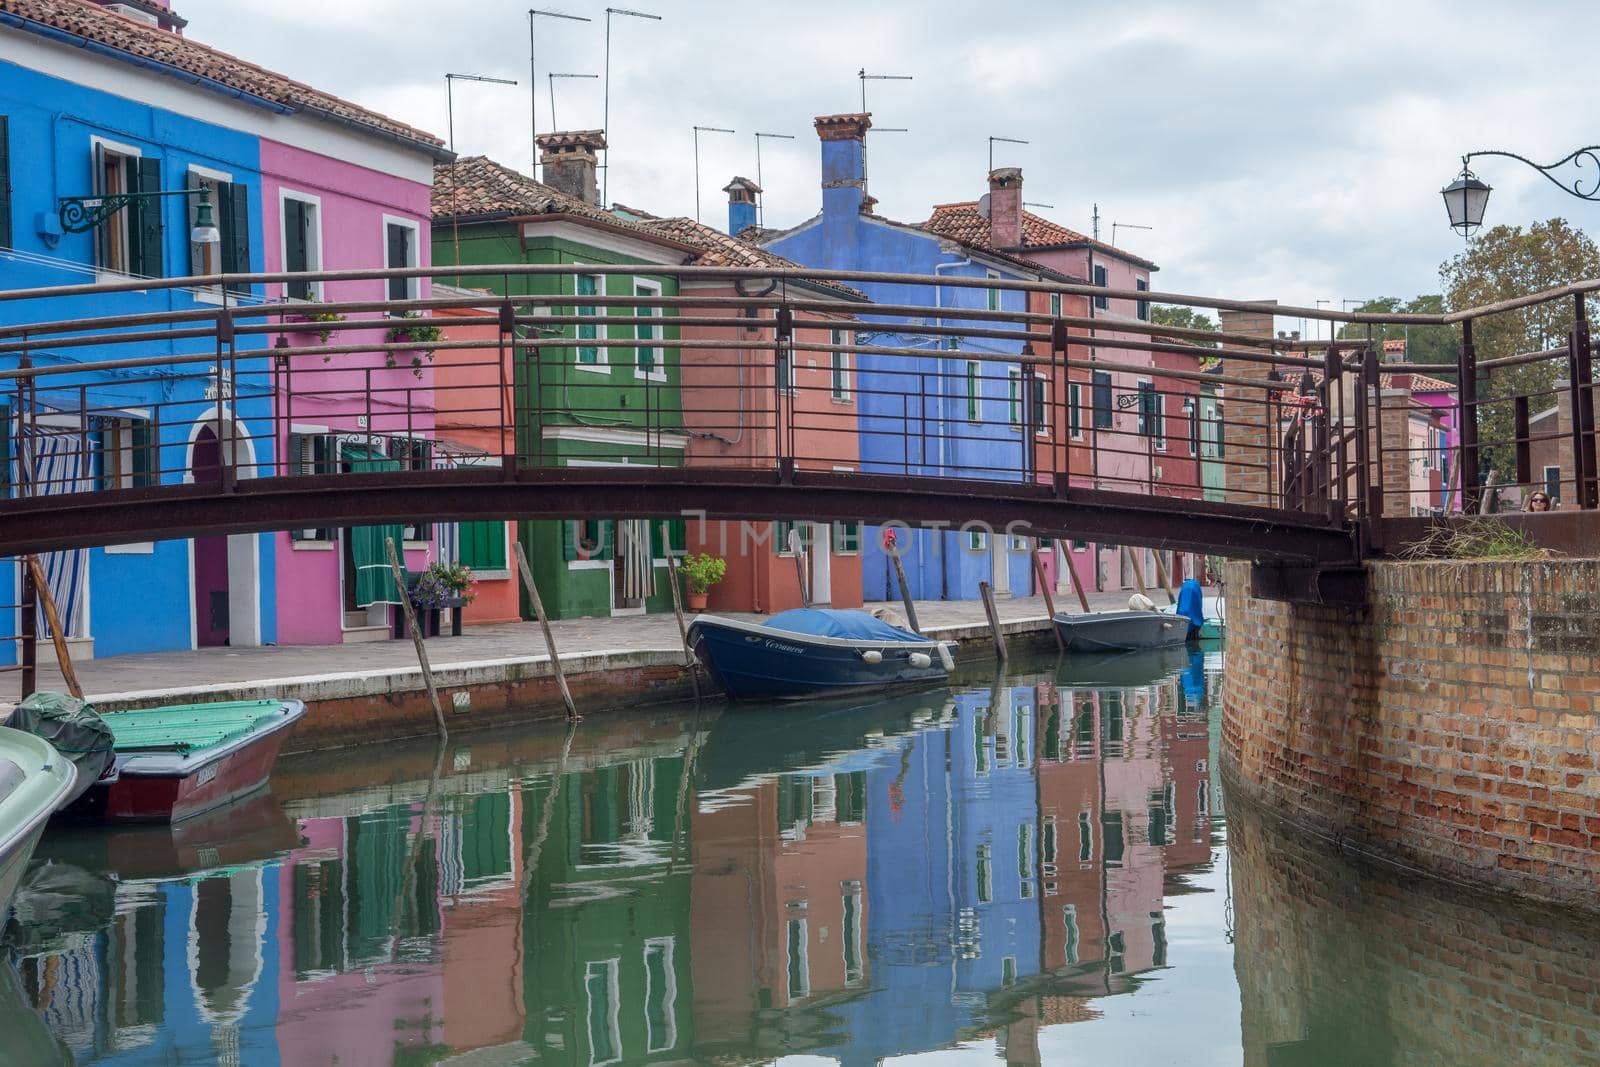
<point>1183,318</point>
<point>1505,262</point>
<point>1424,344</point>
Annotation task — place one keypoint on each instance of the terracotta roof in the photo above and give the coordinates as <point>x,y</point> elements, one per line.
<point>84,20</point>
<point>721,250</point>
<point>476,187</point>
<point>965,223</point>
<point>1410,381</point>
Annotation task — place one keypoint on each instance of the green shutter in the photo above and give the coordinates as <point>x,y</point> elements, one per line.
<point>569,539</point>
<point>483,545</point>
<point>145,468</point>
<point>5,182</point>
<point>234,214</point>
<point>144,219</point>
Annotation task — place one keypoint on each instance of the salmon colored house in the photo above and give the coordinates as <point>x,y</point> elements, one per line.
<point>738,414</point>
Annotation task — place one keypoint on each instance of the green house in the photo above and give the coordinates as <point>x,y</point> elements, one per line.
<point>612,402</point>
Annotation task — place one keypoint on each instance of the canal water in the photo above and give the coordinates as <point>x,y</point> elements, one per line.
<point>1036,868</point>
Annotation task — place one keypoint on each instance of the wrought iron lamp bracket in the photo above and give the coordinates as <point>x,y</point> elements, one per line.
<point>81,214</point>
<point>1588,156</point>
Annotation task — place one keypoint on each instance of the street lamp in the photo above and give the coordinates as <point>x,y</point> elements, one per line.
<point>80,214</point>
<point>1467,196</point>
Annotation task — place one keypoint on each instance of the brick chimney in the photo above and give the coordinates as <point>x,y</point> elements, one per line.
<point>569,161</point>
<point>844,162</point>
<point>1394,351</point>
<point>1005,207</point>
<point>742,193</point>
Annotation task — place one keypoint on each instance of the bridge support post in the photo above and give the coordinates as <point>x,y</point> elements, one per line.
<point>1249,429</point>
<point>1580,383</point>
<point>1467,419</point>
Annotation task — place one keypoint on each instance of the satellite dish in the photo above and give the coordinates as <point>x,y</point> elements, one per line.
<point>983,205</point>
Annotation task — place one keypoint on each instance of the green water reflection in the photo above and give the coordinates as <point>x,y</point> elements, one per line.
<point>1029,869</point>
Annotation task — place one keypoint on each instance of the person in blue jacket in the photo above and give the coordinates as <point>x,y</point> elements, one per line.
<point>1191,605</point>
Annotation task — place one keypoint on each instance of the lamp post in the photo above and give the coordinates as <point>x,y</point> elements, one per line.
<point>698,130</point>
<point>605,121</point>
<point>533,81</point>
<point>80,214</point>
<point>1467,196</point>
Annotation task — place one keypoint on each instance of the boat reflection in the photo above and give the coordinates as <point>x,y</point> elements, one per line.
<point>854,883</point>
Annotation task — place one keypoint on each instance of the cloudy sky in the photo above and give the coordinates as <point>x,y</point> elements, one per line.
<point>1284,149</point>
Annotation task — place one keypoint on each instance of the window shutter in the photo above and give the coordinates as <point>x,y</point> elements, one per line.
<point>5,182</point>
<point>145,467</point>
<point>295,255</point>
<point>105,443</point>
<point>1102,399</point>
<point>191,181</point>
<point>235,216</point>
<point>144,176</point>
<point>569,539</point>
<point>398,256</point>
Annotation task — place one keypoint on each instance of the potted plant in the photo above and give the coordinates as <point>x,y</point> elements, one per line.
<point>307,312</point>
<point>418,331</point>
<point>440,587</point>
<point>700,573</point>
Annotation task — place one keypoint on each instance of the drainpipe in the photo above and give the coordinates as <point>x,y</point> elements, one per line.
<point>944,374</point>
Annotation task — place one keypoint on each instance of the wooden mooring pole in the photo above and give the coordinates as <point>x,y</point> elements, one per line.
<point>416,638</point>
<point>677,609</point>
<point>798,551</point>
<point>1161,572</point>
<point>1077,586</point>
<point>994,620</point>
<point>53,620</point>
<point>1049,601</point>
<point>544,624</point>
<point>905,592</point>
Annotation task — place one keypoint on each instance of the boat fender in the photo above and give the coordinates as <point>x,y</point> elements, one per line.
<point>946,659</point>
<point>872,656</point>
<point>920,659</point>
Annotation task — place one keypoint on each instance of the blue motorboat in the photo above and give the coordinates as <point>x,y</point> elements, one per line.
<point>809,652</point>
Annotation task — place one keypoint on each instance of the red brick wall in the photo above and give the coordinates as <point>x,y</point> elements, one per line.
<point>1452,726</point>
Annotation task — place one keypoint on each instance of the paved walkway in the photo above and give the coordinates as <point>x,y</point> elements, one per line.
<point>220,666</point>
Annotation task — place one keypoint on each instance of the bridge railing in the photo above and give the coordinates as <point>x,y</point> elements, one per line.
<point>983,382</point>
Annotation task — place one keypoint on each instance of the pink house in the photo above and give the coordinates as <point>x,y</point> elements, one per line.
<point>348,411</point>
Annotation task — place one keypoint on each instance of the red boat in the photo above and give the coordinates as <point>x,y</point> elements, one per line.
<point>173,763</point>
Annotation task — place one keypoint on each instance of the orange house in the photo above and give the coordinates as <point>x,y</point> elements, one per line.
<point>472,395</point>
<point>738,413</point>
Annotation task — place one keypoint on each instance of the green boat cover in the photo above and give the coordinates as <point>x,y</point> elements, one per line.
<point>187,727</point>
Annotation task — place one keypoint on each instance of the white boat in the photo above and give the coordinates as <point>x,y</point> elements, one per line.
<point>35,780</point>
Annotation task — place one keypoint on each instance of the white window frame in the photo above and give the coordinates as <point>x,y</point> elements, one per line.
<point>977,540</point>
<point>1192,411</point>
<point>610,968</point>
<point>1075,404</point>
<point>1015,416</point>
<point>667,947</point>
<point>1055,305</point>
<point>994,300</point>
<point>208,294</point>
<point>1545,482</point>
<point>413,285</point>
<point>839,366</point>
<point>1041,388</point>
<point>103,273</point>
<point>314,260</point>
<point>659,363</point>
<point>804,961</point>
<point>602,354</point>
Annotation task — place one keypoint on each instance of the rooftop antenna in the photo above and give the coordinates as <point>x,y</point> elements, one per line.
<point>1115,226</point>
<point>553,76</point>
<point>533,81</point>
<point>865,78</point>
<point>1035,203</point>
<point>1007,140</point>
<point>605,186</point>
<point>698,130</point>
<point>1095,220</point>
<point>761,207</point>
<point>450,120</point>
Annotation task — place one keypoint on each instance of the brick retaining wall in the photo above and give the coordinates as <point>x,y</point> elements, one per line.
<point>1451,727</point>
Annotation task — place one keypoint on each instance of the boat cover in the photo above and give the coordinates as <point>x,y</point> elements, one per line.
<point>188,728</point>
<point>836,622</point>
<point>72,728</point>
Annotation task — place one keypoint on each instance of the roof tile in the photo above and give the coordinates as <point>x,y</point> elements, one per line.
<point>964,222</point>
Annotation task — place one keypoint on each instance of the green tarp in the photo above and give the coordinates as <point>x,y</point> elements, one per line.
<point>374,579</point>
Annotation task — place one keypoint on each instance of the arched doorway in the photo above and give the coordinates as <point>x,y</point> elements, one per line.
<point>225,569</point>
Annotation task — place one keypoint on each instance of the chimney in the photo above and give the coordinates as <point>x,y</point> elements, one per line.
<point>844,162</point>
<point>1394,351</point>
<point>1005,207</point>
<point>568,157</point>
<point>742,193</point>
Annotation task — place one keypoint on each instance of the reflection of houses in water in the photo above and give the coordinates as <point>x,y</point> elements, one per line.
<point>181,972</point>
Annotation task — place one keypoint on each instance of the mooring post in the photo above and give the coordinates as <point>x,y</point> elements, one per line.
<point>797,550</point>
<point>1137,566</point>
<point>28,653</point>
<point>416,637</point>
<point>1077,585</point>
<point>994,620</point>
<point>1161,572</point>
<point>48,603</point>
<point>905,592</point>
<point>1049,600</point>
<point>677,608</point>
<point>544,624</point>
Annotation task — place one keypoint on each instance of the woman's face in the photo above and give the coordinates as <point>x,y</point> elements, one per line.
<point>1540,502</point>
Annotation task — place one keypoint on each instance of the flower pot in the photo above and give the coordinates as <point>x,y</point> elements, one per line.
<point>696,601</point>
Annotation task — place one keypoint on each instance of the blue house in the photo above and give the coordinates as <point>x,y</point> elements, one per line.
<point>960,411</point>
<point>120,138</point>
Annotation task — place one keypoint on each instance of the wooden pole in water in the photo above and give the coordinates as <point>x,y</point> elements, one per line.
<point>1166,582</point>
<point>994,620</point>
<point>1077,586</point>
<point>416,638</point>
<point>53,620</point>
<point>800,566</point>
<point>544,624</point>
<point>1049,600</point>
<point>677,609</point>
<point>1136,566</point>
<point>905,593</point>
